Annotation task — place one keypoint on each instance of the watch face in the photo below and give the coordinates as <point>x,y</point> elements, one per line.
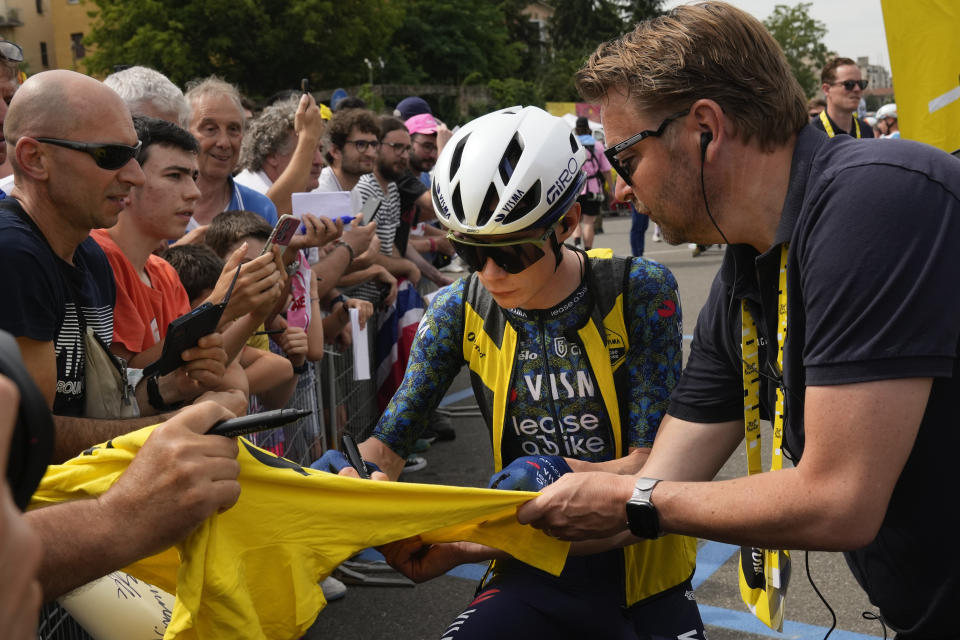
<point>642,520</point>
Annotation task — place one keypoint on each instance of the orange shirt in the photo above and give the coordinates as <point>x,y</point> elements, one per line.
<point>142,312</point>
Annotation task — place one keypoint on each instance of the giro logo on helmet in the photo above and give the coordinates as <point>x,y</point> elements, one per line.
<point>565,178</point>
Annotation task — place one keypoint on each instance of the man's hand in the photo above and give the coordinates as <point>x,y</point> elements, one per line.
<point>360,237</point>
<point>308,121</point>
<point>364,310</point>
<point>387,278</point>
<point>581,506</point>
<point>20,594</point>
<point>319,230</point>
<point>421,562</point>
<point>233,400</point>
<point>179,478</point>
<point>258,287</point>
<point>443,136</point>
<point>529,473</point>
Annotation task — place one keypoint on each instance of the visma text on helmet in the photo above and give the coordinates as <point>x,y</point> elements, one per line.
<point>558,186</point>
<point>510,204</point>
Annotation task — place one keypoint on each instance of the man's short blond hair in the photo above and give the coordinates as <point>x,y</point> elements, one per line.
<point>708,50</point>
<point>212,86</point>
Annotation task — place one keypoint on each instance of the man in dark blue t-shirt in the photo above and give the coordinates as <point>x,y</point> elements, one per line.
<point>855,352</point>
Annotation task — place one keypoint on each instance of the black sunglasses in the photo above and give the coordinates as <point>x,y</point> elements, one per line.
<point>107,155</point>
<point>11,51</point>
<point>513,256</point>
<point>619,148</point>
<point>850,84</point>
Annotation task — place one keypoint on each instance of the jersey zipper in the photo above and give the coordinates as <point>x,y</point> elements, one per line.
<point>549,390</point>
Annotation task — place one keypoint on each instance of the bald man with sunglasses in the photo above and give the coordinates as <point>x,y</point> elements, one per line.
<point>74,158</point>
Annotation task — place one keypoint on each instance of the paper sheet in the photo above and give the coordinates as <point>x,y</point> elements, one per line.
<point>361,352</point>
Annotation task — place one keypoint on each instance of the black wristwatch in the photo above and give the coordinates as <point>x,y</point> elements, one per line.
<point>156,400</point>
<point>641,514</point>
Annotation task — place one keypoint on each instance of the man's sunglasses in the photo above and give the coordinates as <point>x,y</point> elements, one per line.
<point>850,84</point>
<point>362,145</point>
<point>11,51</point>
<point>619,148</point>
<point>513,256</point>
<point>107,155</point>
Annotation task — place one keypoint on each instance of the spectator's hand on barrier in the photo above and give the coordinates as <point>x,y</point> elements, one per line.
<point>257,289</point>
<point>421,562</point>
<point>179,478</point>
<point>364,310</point>
<point>387,278</point>
<point>319,230</point>
<point>20,551</point>
<point>197,235</point>
<point>333,461</point>
<point>530,473</point>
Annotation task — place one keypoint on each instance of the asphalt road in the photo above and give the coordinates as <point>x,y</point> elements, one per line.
<point>424,611</point>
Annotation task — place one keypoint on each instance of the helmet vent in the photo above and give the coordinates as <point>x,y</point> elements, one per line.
<point>510,159</point>
<point>573,143</point>
<point>489,206</point>
<point>457,204</point>
<point>457,155</point>
<point>527,203</point>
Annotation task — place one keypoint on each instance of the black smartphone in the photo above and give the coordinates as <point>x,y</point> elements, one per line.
<point>257,422</point>
<point>370,209</point>
<point>353,455</point>
<point>305,85</point>
<point>184,332</point>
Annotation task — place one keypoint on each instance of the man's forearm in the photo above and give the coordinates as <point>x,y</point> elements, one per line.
<point>74,435</point>
<point>81,542</point>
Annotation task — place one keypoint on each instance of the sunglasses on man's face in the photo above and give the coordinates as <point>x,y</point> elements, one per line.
<point>513,256</point>
<point>107,155</point>
<point>850,84</point>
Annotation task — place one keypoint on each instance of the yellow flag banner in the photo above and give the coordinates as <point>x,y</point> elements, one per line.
<point>925,63</point>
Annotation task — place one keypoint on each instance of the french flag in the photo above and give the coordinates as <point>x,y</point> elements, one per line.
<point>395,333</point>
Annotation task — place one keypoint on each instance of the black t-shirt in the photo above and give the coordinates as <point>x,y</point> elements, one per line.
<point>41,292</point>
<point>866,131</point>
<point>871,284</point>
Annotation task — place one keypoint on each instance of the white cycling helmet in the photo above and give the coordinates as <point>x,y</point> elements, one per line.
<point>510,170</point>
<point>887,111</point>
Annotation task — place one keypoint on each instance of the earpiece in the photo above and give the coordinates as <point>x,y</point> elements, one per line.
<point>705,139</point>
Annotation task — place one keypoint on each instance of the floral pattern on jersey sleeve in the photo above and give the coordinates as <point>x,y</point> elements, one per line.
<point>656,354</point>
<point>435,359</point>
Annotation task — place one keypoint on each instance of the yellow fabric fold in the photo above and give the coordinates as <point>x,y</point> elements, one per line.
<point>252,571</point>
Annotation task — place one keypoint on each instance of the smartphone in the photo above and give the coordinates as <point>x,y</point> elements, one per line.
<point>305,85</point>
<point>353,455</point>
<point>257,422</point>
<point>184,332</point>
<point>370,209</point>
<point>282,232</point>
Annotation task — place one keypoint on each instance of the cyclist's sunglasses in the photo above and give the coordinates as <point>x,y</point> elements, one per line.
<point>107,155</point>
<point>513,256</point>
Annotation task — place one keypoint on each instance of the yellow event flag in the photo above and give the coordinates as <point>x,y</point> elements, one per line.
<point>252,571</point>
<point>925,63</point>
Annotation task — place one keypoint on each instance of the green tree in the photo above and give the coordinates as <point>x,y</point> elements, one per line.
<point>513,91</point>
<point>262,45</point>
<point>801,38</point>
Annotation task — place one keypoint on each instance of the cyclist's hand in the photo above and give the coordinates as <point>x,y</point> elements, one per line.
<point>333,461</point>
<point>421,562</point>
<point>530,473</point>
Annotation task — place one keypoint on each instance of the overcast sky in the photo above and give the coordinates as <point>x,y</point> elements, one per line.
<point>854,27</point>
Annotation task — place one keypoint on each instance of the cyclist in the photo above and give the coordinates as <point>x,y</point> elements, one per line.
<point>572,360</point>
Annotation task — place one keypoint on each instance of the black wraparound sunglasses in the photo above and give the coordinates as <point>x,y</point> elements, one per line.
<point>850,84</point>
<point>619,148</point>
<point>513,256</point>
<point>108,155</point>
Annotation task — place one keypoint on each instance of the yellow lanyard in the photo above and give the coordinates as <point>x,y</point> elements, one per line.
<point>829,128</point>
<point>764,573</point>
<point>751,378</point>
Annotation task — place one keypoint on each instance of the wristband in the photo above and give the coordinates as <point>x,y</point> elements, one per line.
<point>433,245</point>
<point>340,298</point>
<point>155,399</point>
<point>343,243</point>
<point>302,369</point>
